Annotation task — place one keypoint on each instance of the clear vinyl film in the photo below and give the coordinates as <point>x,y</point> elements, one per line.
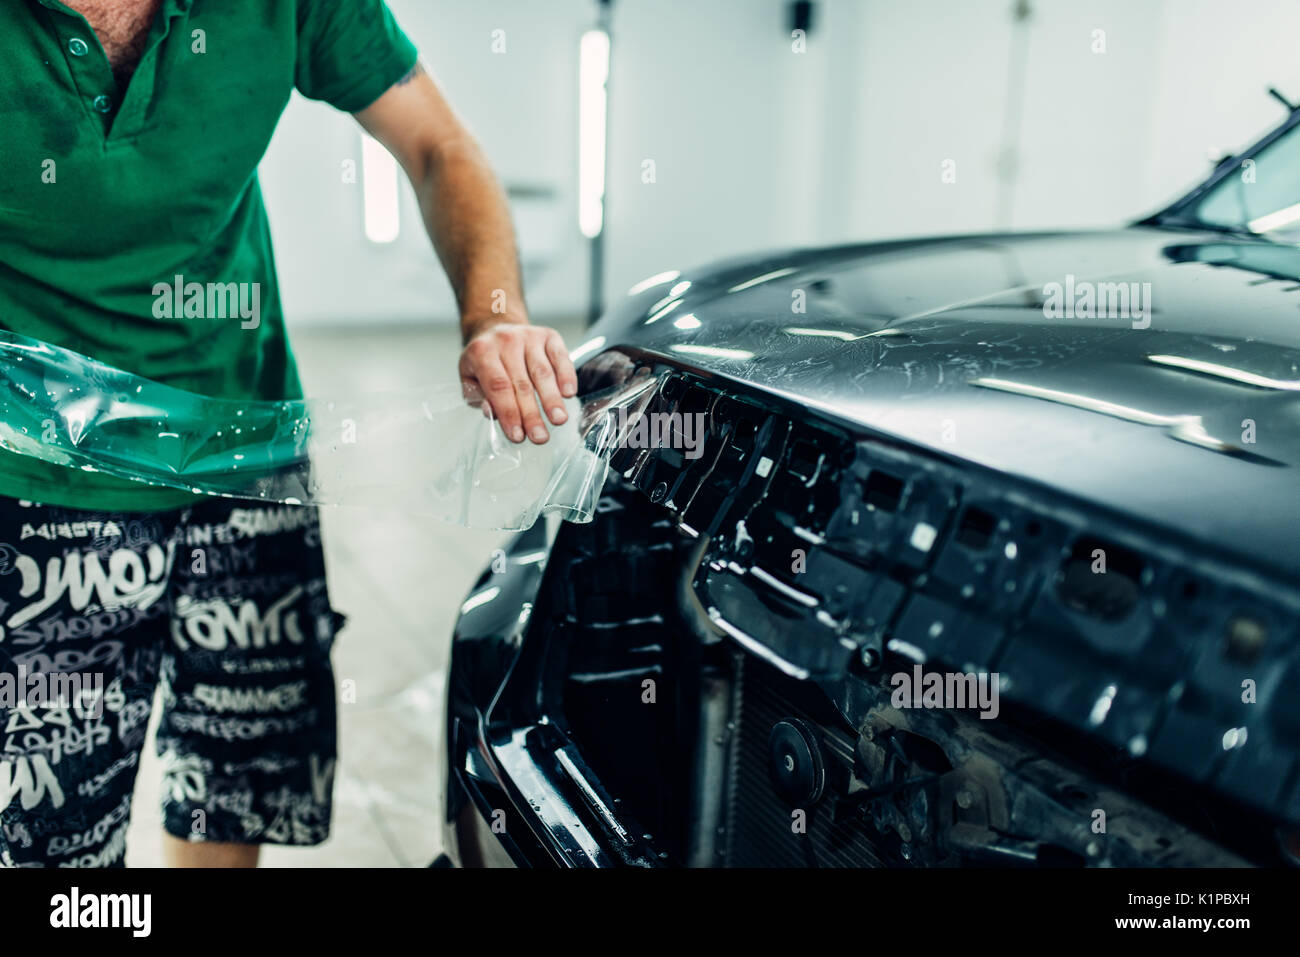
<point>432,451</point>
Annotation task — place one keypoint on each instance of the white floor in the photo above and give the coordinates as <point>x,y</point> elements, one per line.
<point>400,580</point>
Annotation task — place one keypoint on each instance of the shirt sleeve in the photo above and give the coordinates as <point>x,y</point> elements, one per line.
<point>350,52</point>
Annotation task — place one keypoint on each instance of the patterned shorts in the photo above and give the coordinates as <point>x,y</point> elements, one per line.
<point>222,608</point>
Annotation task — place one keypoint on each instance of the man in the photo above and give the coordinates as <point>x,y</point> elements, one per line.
<point>130,133</point>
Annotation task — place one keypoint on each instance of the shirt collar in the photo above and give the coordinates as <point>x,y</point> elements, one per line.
<point>169,7</point>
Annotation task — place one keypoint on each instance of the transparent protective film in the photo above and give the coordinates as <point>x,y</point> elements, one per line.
<point>431,451</point>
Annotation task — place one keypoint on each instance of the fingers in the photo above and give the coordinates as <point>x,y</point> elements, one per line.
<point>544,381</point>
<point>561,363</point>
<point>517,369</point>
<point>495,382</point>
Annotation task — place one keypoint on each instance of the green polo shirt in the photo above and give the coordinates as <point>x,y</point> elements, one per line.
<point>108,194</point>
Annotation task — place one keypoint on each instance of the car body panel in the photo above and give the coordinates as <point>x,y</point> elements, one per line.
<point>1192,423</point>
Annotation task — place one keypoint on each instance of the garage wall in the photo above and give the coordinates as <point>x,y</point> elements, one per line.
<point>1218,59</point>
<point>756,146</point>
<point>521,104</point>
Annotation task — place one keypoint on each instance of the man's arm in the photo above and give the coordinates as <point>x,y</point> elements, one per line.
<point>468,219</point>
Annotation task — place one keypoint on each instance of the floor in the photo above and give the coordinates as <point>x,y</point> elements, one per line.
<point>400,580</point>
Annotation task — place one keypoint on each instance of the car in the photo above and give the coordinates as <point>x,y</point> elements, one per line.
<point>987,552</point>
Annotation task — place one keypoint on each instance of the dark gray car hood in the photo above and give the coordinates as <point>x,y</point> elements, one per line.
<point>944,344</point>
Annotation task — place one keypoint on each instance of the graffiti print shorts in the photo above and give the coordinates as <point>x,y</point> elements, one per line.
<point>223,609</point>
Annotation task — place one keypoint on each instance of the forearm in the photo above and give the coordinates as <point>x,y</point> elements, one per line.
<point>468,219</point>
<point>522,369</point>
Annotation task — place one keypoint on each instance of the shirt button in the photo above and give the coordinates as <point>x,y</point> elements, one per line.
<point>102,103</point>
<point>78,47</point>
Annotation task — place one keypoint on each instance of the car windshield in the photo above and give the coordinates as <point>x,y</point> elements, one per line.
<point>1259,194</point>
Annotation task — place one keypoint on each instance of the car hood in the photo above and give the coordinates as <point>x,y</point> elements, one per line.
<point>1187,416</point>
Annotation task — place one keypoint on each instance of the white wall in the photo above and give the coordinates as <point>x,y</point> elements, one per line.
<point>755,146</point>
<point>522,106</point>
<point>1219,58</point>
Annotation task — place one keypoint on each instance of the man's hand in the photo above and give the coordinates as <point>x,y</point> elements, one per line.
<point>510,361</point>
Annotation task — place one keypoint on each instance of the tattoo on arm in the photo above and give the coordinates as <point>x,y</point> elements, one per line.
<point>411,74</point>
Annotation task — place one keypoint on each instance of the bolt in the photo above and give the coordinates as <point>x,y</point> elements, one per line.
<point>1246,638</point>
